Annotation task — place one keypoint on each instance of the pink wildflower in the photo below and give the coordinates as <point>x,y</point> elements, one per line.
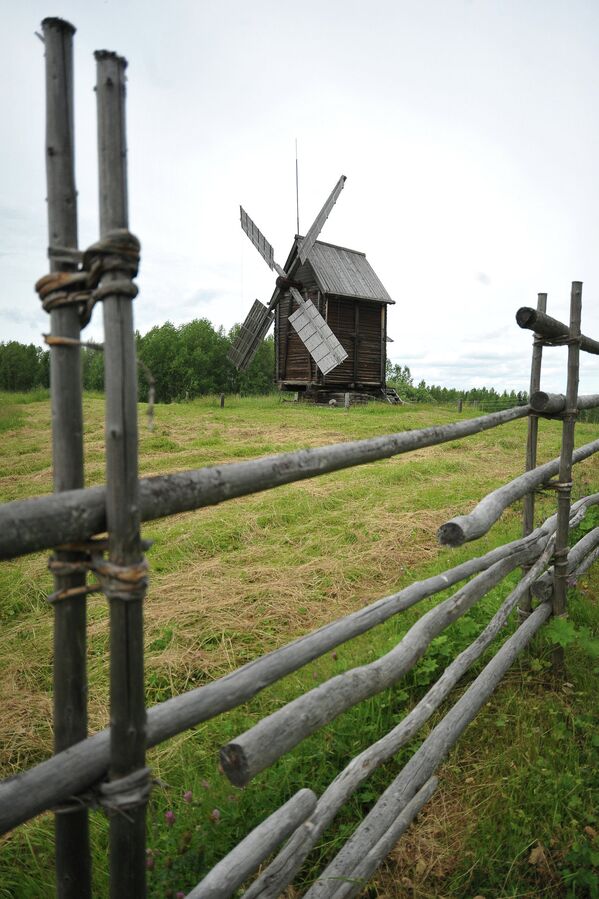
<point>187,796</point>
<point>169,817</point>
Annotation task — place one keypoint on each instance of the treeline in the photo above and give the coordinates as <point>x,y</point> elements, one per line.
<point>191,360</point>
<point>400,377</point>
<point>23,366</point>
<point>185,361</point>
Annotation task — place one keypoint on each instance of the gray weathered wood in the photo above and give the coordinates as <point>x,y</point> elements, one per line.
<point>464,528</point>
<point>528,510</point>
<point>73,867</point>
<point>555,403</point>
<point>76,770</point>
<point>34,524</point>
<point>564,487</point>
<point>278,733</point>
<point>311,237</point>
<point>287,863</point>
<point>583,550</point>
<point>370,854</point>
<point>127,701</point>
<point>222,881</point>
<point>427,758</point>
<point>552,329</point>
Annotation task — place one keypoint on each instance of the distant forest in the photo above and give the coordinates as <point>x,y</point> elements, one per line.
<point>191,360</point>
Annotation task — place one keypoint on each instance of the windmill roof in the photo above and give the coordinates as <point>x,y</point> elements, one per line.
<point>345,272</point>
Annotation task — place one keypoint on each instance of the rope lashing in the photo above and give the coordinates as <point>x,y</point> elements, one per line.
<point>116,254</point>
<point>114,796</point>
<point>126,582</point>
<point>126,792</point>
<point>566,340</point>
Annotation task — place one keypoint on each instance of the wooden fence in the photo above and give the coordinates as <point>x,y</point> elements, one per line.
<point>108,769</point>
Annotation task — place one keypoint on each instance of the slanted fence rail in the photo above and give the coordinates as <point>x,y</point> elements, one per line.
<point>108,768</point>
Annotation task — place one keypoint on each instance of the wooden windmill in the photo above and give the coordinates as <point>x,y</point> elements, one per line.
<point>330,313</point>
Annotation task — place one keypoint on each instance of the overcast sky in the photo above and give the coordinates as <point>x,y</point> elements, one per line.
<point>467,129</point>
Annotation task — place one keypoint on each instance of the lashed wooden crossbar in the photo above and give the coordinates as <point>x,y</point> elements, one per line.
<point>31,525</point>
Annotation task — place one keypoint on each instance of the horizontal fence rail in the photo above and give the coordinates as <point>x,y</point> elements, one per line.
<point>555,403</point>
<point>77,515</point>
<point>273,736</point>
<point>464,528</point>
<point>552,329</point>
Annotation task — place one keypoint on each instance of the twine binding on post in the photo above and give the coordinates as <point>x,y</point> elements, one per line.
<point>116,796</point>
<point>118,251</point>
<point>126,582</point>
<point>113,796</point>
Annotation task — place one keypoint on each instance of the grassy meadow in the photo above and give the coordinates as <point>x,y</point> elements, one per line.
<point>516,813</point>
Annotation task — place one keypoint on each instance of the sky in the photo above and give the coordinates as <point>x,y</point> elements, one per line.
<point>468,131</point>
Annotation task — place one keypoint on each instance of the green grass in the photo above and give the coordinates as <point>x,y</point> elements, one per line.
<point>516,810</point>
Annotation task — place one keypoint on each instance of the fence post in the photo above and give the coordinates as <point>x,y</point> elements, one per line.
<point>73,869</point>
<point>222,401</point>
<point>564,486</point>
<point>460,404</point>
<point>127,707</point>
<point>528,514</point>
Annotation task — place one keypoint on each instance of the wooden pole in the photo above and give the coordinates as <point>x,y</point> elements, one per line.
<point>564,487</point>
<point>73,866</point>
<point>280,872</point>
<point>222,881</point>
<point>528,512</point>
<point>552,329</point>
<point>25,525</point>
<point>469,527</point>
<point>555,403</point>
<point>127,706</point>
<point>428,756</point>
<point>273,736</point>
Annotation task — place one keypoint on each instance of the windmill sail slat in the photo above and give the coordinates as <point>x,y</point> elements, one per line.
<point>316,335</point>
<point>257,238</point>
<point>312,235</point>
<point>251,334</point>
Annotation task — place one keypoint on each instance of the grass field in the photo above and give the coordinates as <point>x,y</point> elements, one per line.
<point>517,810</point>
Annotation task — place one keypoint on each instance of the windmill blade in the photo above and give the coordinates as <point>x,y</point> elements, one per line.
<point>316,335</point>
<point>251,334</point>
<point>312,235</point>
<point>257,238</point>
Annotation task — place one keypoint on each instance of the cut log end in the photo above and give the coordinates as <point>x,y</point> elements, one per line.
<point>451,534</point>
<point>526,317</point>
<point>539,401</point>
<point>542,589</point>
<point>234,764</point>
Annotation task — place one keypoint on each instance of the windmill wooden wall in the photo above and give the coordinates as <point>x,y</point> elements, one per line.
<point>359,324</point>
